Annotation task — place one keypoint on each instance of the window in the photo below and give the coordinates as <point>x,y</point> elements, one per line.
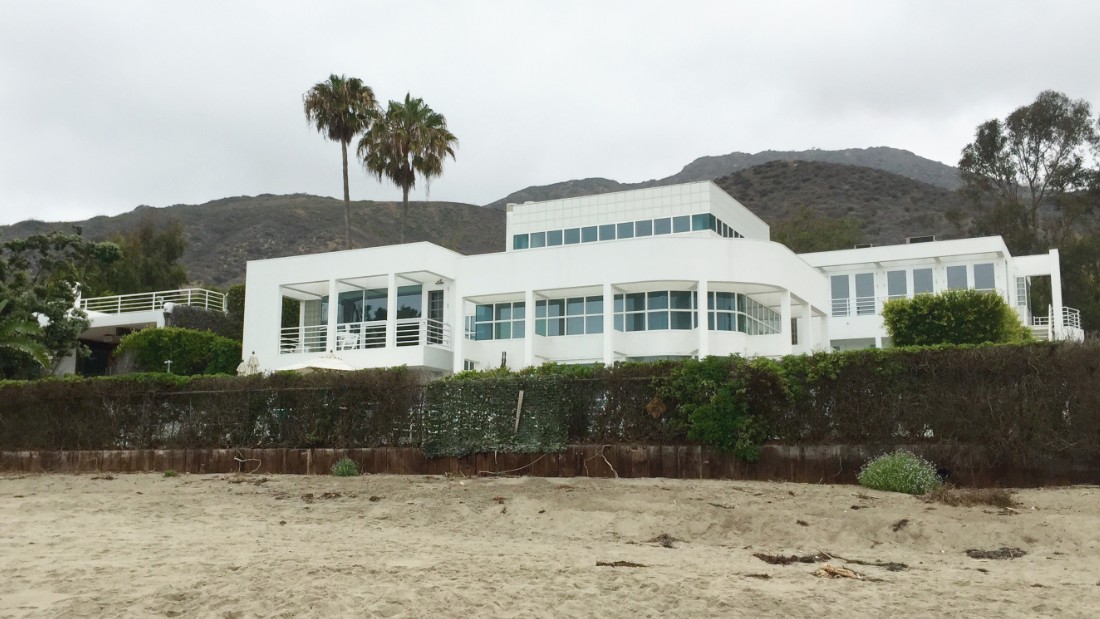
<point>865,294</point>
<point>659,310</point>
<point>841,294</point>
<point>588,234</point>
<point>681,223</point>
<point>662,226</point>
<point>572,316</point>
<point>984,278</point>
<point>572,236</point>
<point>700,222</point>
<point>553,238</point>
<point>626,230</point>
<point>731,311</point>
<point>922,281</point>
<point>896,286</point>
<point>1023,292</point>
<point>956,278</point>
<point>538,239</point>
<point>643,228</point>
<point>607,232</point>
<point>499,321</point>
<point>521,241</point>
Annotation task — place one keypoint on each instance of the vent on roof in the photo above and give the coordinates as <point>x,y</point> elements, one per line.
<point>928,238</point>
<point>862,245</point>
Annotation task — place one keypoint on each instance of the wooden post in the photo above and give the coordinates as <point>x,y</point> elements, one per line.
<point>519,409</point>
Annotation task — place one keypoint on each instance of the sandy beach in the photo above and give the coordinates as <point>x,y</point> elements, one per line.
<point>390,546</point>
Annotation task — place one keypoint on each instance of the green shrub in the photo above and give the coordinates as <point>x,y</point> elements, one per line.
<point>171,473</point>
<point>191,352</point>
<point>953,317</point>
<point>346,467</point>
<point>900,471</point>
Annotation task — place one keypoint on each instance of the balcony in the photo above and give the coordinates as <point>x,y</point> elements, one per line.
<point>150,301</point>
<point>366,335</point>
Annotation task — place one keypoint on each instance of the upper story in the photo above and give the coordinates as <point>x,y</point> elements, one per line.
<point>700,209</point>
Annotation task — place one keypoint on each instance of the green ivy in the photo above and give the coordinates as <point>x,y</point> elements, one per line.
<point>191,352</point>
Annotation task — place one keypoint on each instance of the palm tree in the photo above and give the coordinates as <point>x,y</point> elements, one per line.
<point>341,108</point>
<point>18,334</point>
<point>410,139</point>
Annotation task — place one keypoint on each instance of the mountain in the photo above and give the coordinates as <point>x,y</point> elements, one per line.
<point>224,234</point>
<point>889,207</point>
<point>896,161</point>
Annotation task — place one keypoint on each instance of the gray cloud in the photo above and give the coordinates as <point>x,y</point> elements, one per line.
<point>104,106</point>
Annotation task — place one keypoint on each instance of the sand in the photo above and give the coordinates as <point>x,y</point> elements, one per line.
<point>144,545</point>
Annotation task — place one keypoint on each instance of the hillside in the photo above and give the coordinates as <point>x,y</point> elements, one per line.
<point>893,160</point>
<point>224,234</point>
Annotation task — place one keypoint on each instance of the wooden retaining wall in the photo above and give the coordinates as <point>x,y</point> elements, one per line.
<point>807,464</point>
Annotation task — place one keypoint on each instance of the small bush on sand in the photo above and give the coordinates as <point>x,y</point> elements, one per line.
<point>900,471</point>
<point>171,473</point>
<point>346,467</point>
<point>969,497</point>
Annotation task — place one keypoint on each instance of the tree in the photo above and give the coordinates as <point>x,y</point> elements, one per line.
<point>149,261</point>
<point>952,317</point>
<point>19,335</point>
<point>1033,158</point>
<point>341,108</point>
<point>807,231</point>
<point>40,278</point>
<point>410,139</point>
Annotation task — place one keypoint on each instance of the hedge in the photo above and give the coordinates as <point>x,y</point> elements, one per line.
<point>1019,403</point>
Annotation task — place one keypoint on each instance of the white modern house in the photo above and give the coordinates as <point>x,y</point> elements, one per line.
<point>659,273</point>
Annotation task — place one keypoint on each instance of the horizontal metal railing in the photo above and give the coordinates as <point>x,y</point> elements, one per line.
<point>366,335</point>
<point>871,306</point>
<point>146,301</point>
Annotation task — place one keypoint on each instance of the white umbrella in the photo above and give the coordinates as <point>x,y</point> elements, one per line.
<point>328,363</point>
<point>252,366</point>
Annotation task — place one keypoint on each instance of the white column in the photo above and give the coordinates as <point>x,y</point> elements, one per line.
<point>301,326</point>
<point>808,327</point>
<point>391,310</point>
<point>608,325</point>
<point>333,306</point>
<point>1056,320</point>
<point>458,333</point>
<point>529,328</point>
<point>703,311</point>
<point>785,316</point>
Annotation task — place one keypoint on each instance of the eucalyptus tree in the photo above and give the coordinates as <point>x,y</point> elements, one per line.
<point>341,108</point>
<point>409,140</point>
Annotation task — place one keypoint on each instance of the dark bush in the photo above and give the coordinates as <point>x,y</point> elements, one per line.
<point>191,352</point>
<point>953,317</point>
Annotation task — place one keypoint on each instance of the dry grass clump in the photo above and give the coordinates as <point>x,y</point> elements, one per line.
<point>969,497</point>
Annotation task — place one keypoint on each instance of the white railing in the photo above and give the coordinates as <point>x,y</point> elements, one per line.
<point>871,306</point>
<point>366,335</point>
<point>303,339</point>
<point>1071,317</point>
<point>146,301</point>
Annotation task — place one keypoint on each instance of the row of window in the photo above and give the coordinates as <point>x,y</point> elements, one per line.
<point>659,310</point>
<point>625,230</point>
<point>900,282</point>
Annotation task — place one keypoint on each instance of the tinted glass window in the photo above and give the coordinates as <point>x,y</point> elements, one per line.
<point>607,232</point>
<point>922,281</point>
<point>681,224</point>
<point>896,284</point>
<point>538,239</point>
<point>553,237</point>
<point>572,235</point>
<point>983,277</point>
<point>956,278</point>
<point>521,241</point>
<point>626,230</point>
<point>643,228</point>
<point>700,221</point>
<point>588,234</point>
<point>662,226</point>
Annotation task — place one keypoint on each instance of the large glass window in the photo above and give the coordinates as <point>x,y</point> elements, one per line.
<point>538,239</point>
<point>626,230</point>
<point>659,310</point>
<point>571,316</point>
<point>662,226</point>
<point>896,285</point>
<point>841,295</point>
<point>521,241</point>
<point>553,237</point>
<point>588,234</point>
<point>607,232</point>
<point>956,278</point>
<point>409,301</point>
<point>865,294</point>
<point>922,281</point>
<point>643,227</point>
<point>681,223</point>
<point>572,236</point>
<point>730,311</point>
<point>700,222</point>
<point>984,278</point>
<point>499,321</point>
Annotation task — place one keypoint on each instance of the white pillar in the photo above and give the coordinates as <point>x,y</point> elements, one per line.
<point>391,310</point>
<point>333,306</point>
<point>703,310</point>
<point>458,333</point>
<point>808,327</point>
<point>608,325</point>
<point>785,317</point>
<point>529,328</point>
<point>1056,321</point>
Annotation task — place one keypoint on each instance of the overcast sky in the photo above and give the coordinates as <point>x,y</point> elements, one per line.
<point>105,106</point>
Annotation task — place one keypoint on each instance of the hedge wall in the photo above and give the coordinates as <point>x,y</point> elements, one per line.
<point>1020,403</point>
